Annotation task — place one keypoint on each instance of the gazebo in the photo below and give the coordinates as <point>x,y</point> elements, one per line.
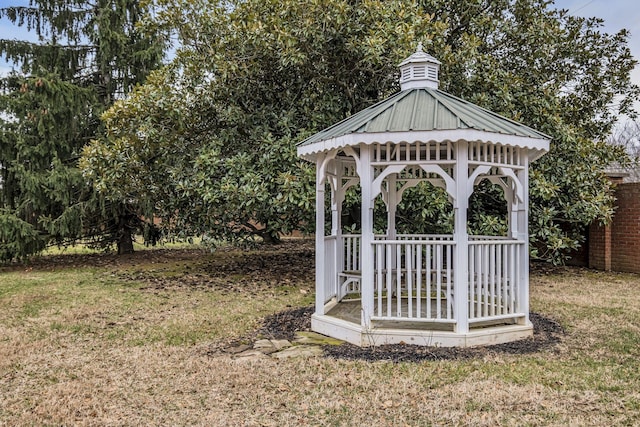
<point>441,290</point>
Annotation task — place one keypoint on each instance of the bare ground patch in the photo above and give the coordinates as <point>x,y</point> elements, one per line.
<point>290,263</point>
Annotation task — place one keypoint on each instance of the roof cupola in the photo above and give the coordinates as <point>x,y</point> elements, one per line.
<point>420,70</point>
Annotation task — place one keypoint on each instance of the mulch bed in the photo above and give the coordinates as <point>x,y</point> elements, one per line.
<point>101,259</point>
<point>546,334</point>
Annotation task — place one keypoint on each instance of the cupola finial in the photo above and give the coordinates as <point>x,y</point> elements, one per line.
<point>420,70</point>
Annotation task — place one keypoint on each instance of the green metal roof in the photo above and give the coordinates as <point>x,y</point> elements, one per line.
<point>423,109</point>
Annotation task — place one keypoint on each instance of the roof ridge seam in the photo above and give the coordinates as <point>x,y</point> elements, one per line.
<point>445,103</point>
<point>497,116</point>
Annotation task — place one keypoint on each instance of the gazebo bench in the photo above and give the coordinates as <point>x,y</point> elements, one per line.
<point>350,280</point>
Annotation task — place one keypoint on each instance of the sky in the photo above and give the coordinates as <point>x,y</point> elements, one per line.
<point>617,14</point>
<point>10,31</point>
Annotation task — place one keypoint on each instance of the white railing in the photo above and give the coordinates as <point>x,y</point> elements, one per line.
<point>474,238</point>
<point>413,276</point>
<point>351,246</point>
<point>351,250</point>
<point>417,151</point>
<point>494,279</point>
<point>330,277</point>
<point>413,280</point>
<point>430,237</point>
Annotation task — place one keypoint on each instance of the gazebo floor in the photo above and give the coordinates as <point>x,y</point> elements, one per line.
<point>343,321</point>
<point>350,310</point>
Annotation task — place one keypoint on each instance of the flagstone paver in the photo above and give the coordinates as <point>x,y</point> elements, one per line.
<point>299,351</point>
<point>305,344</point>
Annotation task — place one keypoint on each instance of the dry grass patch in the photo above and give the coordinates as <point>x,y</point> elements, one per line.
<point>128,343</point>
<point>173,386</point>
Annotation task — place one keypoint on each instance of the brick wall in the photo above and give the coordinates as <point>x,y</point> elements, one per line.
<point>625,229</point>
<point>600,247</point>
<point>617,246</point>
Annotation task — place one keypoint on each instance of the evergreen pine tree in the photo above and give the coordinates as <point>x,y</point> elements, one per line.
<point>87,54</point>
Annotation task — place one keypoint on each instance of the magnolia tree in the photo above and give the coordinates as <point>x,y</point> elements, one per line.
<point>208,143</point>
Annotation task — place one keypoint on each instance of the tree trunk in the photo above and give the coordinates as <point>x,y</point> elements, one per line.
<point>125,241</point>
<point>271,239</point>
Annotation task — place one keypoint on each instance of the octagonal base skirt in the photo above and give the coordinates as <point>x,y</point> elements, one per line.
<point>423,336</point>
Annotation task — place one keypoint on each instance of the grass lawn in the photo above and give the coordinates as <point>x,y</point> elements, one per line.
<point>90,339</point>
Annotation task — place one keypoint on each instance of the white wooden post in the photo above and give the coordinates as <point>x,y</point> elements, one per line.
<point>513,217</point>
<point>336,221</point>
<point>335,198</point>
<point>461,238</point>
<point>320,261</point>
<point>512,211</point>
<point>392,205</point>
<point>366,248</point>
<point>523,235</point>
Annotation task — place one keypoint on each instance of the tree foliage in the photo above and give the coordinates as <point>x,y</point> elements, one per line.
<point>252,77</point>
<point>86,55</point>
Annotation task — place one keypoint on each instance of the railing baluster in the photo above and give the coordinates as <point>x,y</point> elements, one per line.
<point>504,267</point>
<point>499,300</point>
<point>439,281</point>
<point>419,249</point>
<point>479,281</point>
<point>388,274</point>
<point>427,262</point>
<point>398,273</point>
<point>512,250</point>
<point>409,278</point>
<point>485,284</point>
<point>492,266</point>
<point>516,285</point>
<point>449,299</point>
<point>379,251</point>
<point>472,264</point>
